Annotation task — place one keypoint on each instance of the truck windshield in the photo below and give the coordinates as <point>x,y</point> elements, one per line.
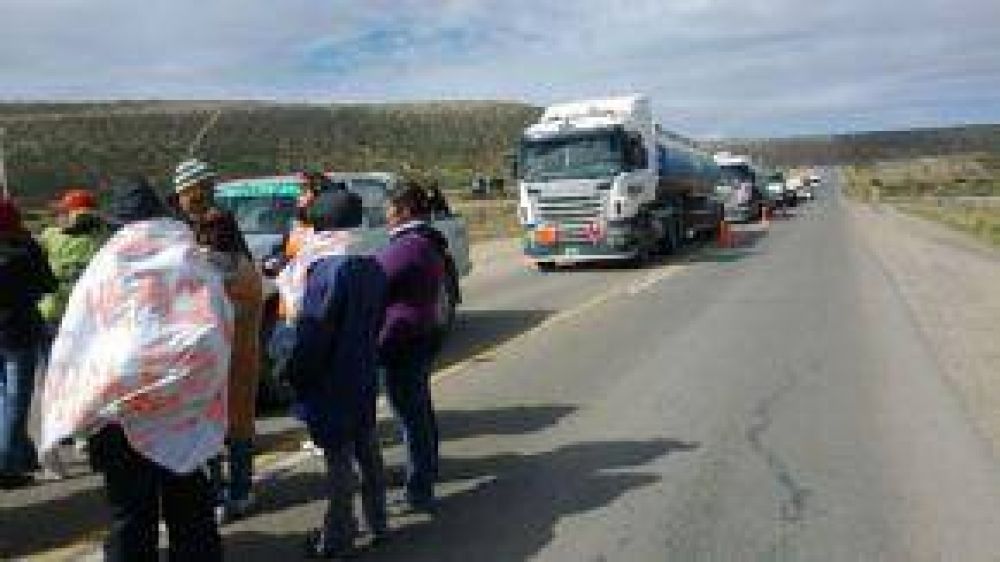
<point>573,157</point>
<point>736,174</point>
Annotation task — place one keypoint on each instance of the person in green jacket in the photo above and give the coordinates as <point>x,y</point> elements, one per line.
<point>70,245</point>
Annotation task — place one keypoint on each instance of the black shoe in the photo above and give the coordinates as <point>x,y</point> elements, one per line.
<point>422,504</point>
<point>13,481</point>
<point>378,538</point>
<point>316,550</point>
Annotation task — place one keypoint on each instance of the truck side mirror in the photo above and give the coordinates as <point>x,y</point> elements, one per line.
<point>635,153</point>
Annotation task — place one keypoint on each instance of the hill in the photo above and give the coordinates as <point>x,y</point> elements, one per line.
<point>866,147</point>
<point>52,145</point>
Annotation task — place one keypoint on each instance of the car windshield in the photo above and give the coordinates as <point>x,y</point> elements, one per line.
<point>591,156</point>
<point>373,196</point>
<point>260,207</point>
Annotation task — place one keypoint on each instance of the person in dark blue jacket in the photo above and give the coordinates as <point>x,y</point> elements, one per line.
<point>333,371</point>
<point>25,276</point>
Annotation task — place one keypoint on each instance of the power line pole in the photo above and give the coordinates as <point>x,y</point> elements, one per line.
<point>196,143</point>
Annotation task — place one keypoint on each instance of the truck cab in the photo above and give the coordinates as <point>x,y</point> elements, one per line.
<point>738,187</point>
<point>586,170</point>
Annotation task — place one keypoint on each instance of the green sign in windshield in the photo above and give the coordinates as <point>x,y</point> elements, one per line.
<point>258,189</point>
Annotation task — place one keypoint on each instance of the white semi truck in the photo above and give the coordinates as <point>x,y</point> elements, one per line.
<point>599,180</point>
<point>739,187</point>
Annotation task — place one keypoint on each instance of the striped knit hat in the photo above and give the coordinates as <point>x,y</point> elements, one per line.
<point>191,172</point>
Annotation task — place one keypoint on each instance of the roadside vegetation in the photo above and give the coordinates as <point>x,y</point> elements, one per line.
<point>50,146</point>
<point>960,191</point>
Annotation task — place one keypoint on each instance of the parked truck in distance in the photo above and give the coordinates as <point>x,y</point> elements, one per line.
<point>599,180</point>
<point>739,187</point>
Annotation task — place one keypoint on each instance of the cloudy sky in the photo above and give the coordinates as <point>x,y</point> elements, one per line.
<point>712,67</point>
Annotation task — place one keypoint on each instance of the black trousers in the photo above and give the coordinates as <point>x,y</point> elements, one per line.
<point>138,490</point>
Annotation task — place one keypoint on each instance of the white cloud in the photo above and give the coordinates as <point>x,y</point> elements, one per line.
<point>733,66</point>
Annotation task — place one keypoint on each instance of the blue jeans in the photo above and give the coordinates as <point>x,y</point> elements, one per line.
<point>407,384</point>
<point>17,380</point>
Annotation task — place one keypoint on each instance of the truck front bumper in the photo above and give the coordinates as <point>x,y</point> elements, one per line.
<point>621,248</point>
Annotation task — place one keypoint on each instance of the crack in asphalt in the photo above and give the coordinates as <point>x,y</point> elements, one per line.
<point>793,509</point>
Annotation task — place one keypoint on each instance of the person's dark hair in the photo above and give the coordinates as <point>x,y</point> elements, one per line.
<point>336,210</point>
<point>219,232</point>
<point>321,182</point>
<point>134,199</point>
<point>411,196</point>
<point>10,217</point>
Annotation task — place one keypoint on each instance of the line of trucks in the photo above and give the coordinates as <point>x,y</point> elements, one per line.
<point>597,180</point>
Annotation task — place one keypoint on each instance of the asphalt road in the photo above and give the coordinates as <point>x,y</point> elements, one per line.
<point>775,401</point>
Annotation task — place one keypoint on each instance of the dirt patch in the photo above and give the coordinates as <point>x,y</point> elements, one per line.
<point>489,219</point>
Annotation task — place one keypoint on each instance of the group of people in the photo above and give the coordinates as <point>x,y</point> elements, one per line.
<point>350,324</point>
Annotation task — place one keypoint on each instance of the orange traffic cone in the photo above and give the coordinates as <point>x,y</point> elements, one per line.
<point>725,235</point>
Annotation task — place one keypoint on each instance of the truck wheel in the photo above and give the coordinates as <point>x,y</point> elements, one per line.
<point>545,266</point>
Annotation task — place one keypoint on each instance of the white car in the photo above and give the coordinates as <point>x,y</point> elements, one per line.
<point>265,208</point>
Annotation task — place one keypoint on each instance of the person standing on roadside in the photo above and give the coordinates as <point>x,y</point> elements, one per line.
<point>244,287</point>
<point>25,276</point>
<point>194,191</point>
<point>70,244</point>
<point>333,368</point>
<point>139,367</point>
<point>415,263</point>
<point>218,233</point>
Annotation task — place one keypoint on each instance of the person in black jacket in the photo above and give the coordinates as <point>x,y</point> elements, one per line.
<point>25,276</point>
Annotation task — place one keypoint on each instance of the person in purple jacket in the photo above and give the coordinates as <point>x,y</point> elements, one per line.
<point>414,263</point>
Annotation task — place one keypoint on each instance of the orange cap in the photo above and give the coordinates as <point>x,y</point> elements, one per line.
<point>77,200</point>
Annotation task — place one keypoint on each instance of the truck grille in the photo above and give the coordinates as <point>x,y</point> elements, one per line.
<point>573,213</point>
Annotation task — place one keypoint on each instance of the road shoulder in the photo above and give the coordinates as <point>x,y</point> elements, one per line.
<point>949,282</point>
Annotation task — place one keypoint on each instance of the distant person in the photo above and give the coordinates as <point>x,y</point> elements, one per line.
<point>333,370</point>
<point>79,233</point>
<point>313,183</point>
<point>137,367</point>
<point>25,276</point>
<point>437,202</point>
<point>415,264</point>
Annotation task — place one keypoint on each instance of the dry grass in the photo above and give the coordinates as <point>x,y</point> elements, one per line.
<point>981,222</point>
<point>944,176</point>
<point>959,191</point>
<point>489,219</point>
